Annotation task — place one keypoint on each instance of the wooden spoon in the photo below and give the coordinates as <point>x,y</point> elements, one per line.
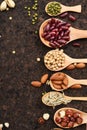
<point>82,114</point>
<point>64,8</point>
<point>74,33</point>
<point>54,98</point>
<point>71,81</point>
<point>68,61</point>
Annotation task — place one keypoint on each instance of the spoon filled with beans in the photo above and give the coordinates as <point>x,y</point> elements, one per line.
<point>69,117</point>
<point>60,81</point>
<point>55,8</point>
<point>56,33</point>
<point>56,60</point>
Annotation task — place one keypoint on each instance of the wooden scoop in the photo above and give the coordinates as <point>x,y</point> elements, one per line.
<point>83,115</point>
<point>68,61</point>
<point>54,98</point>
<point>71,81</point>
<point>64,8</point>
<point>74,33</point>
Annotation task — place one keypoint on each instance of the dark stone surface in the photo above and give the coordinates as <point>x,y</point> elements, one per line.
<point>20,103</point>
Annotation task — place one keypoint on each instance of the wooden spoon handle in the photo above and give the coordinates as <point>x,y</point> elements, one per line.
<point>76,8</point>
<point>77,98</point>
<point>82,81</point>
<point>79,60</point>
<point>77,33</point>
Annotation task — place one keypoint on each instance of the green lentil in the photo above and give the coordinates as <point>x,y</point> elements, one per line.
<point>53,8</point>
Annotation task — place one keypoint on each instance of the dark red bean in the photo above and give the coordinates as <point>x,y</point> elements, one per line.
<point>47,37</point>
<point>61,24</point>
<point>53,37</point>
<point>44,34</point>
<point>64,28</point>
<point>72,18</point>
<point>55,30</point>
<point>67,32</point>
<point>66,38</point>
<point>62,33</point>
<point>51,28</point>
<point>46,28</point>
<point>52,44</point>
<point>63,15</point>
<point>62,41</point>
<point>68,25</point>
<point>76,44</point>
<point>52,33</point>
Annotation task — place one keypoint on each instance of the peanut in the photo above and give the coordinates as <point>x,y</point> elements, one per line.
<point>70,67</point>
<point>65,81</point>
<point>57,82</point>
<point>44,78</point>
<point>80,65</point>
<point>76,86</point>
<point>57,76</point>
<point>36,84</point>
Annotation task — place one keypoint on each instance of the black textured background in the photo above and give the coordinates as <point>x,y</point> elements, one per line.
<point>20,103</point>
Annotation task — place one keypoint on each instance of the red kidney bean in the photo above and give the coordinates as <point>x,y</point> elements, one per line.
<point>76,44</point>
<point>46,28</point>
<point>55,30</point>
<point>52,44</point>
<point>52,33</point>
<point>61,24</point>
<point>76,115</point>
<point>61,41</point>
<point>68,25</point>
<point>64,28</point>
<point>51,28</point>
<point>66,38</point>
<point>53,37</point>
<point>47,37</point>
<point>72,18</point>
<point>63,15</point>
<point>67,32</point>
<point>62,33</point>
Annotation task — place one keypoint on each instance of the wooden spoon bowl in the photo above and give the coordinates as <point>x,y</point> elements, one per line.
<point>83,115</point>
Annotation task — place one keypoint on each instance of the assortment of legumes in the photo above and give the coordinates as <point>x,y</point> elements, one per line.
<point>56,32</point>
<point>54,59</point>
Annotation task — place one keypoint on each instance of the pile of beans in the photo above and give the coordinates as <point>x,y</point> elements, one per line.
<point>54,59</point>
<point>70,118</point>
<point>56,32</point>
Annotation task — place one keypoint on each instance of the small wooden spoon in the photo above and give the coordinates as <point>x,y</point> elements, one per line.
<point>71,81</point>
<point>64,8</point>
<point>68,61</point>
<point>83,115</point>
<point>54,96</point>
<point>74,33</point>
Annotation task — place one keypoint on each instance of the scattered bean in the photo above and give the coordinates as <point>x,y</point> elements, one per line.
<point>63,15</point>
<point>76,44</point>
<point>71,17</point>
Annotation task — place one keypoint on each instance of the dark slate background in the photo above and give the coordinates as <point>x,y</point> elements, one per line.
<point>20,103</point>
